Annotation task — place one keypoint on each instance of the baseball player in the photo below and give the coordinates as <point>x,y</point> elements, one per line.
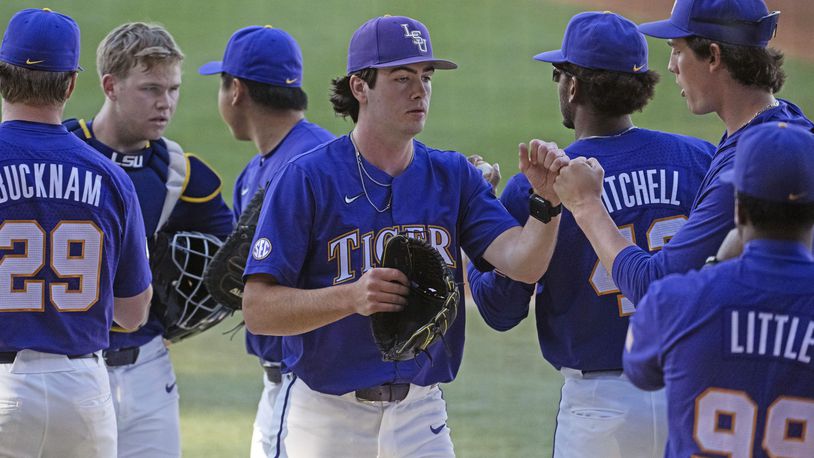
<point>72,253</point>
<point>721,66</point>
<point>732,343</point>
<point>313,277</point>
<point>651,179</point>
<point>261,100</point>
<point>140,70</point>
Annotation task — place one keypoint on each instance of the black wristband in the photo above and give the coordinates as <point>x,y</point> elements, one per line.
<point>542,209</point>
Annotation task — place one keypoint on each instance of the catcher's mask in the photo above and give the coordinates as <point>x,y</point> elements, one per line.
<point>181,300</point>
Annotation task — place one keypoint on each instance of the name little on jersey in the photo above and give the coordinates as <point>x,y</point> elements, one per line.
<point>49,181</point>
<point>767,334</point>
<point>640,187</point>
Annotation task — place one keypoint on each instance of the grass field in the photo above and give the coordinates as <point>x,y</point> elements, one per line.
<point>504,401</point>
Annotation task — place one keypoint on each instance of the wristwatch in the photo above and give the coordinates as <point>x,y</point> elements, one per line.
<point>542,209</point>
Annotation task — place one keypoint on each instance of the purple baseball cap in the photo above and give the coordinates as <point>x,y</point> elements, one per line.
<point>390,41</point>
<point>262,54</point>
<point>41,39</point>
<point>737,22</point>
<point>601,41</point>
<point>774,162</point>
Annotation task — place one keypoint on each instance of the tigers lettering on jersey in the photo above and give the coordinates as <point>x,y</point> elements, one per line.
<point>342,248</point>
<point>770,335</point>
<point>641,187</point>
<point>49,181</point>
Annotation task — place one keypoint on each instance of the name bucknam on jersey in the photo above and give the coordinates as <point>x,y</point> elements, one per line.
<point>49,181</point>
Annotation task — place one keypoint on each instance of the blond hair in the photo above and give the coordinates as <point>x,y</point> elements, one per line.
<point>133,44</point>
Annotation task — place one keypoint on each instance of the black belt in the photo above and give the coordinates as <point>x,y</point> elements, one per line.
<point>388,392</point>
<point>120,357</point>
<point>602,372</point>
<point>273,374</point>
<point>7,357</point>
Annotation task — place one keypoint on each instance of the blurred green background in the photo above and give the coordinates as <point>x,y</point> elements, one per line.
<point>505,399</point>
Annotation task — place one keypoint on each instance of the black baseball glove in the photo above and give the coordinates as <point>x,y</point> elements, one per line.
<point>431,305</point>
<point>224,277</point>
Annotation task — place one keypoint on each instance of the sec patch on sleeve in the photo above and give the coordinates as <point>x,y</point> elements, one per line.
<point>262,249</point>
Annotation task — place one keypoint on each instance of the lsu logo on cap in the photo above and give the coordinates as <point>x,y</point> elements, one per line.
<point>262,249</point>
<point>418,40</point>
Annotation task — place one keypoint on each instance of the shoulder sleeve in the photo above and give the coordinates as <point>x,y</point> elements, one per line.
<point>503,302</point>
<point>643,356</point>
<point>482,217</point>
<point>203,183</point>
<point>133,270</point>
<point>280,244</point>
<point>709,222</point>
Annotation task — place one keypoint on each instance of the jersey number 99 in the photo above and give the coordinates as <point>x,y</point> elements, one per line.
<point>726,420</point>
<point>75,253</point>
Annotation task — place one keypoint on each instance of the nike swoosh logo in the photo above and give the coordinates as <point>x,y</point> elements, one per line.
<point>291,80</point>
<point>33,62</point>
<point>244,191</point>
<point>636,68</point>
<point>793,197</point>
<point>170,386</point>
<point>438,429</point>
<point>349,200</point>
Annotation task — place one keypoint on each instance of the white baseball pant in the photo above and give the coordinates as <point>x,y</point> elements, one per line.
<point>53,406</point>
<point>603,414</point>
<point>326,425</point>
<point>146,401</point>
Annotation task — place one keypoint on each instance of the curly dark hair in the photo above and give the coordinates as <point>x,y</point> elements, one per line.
<point>345,104</point>
<point>748,65</point>
<point>269,96</point>
<point>779,217</point>
<point>614,93</point>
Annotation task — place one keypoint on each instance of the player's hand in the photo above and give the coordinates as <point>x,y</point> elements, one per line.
<point>541,163</point>
<point>380,290</point>
<point>580,183</point>
<point>732,246</point>
<point>491,172</point>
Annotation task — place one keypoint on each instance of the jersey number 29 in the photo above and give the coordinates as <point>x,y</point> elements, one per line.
<point>75,253</point>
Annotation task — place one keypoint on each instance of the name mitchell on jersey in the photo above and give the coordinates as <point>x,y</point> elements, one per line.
<point>640,187</point>
<point>49,181</point>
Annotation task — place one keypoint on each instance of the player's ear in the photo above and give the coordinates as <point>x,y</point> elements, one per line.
<point>715,62</point>
<point>740,213</point>
<point>109,86</point>
<point>71,86</point>
<point>573,88</point>
<point>359,88</point>
<point>238,91</point>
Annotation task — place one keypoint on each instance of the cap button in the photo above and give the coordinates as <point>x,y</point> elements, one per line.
<point>267,26</point>
<point>47,9</point>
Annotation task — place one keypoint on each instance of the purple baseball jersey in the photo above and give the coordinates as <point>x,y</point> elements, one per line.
<point>733,344</point>
<point>338,211</point>
<point>709,222</point>
<point>256,175</point>
<point>71,239</point>
<point>651,179</point>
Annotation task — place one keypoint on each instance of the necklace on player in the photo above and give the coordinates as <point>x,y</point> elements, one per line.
<point>618,134</point>
<point>774,103</point>
<point>361,167</point>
